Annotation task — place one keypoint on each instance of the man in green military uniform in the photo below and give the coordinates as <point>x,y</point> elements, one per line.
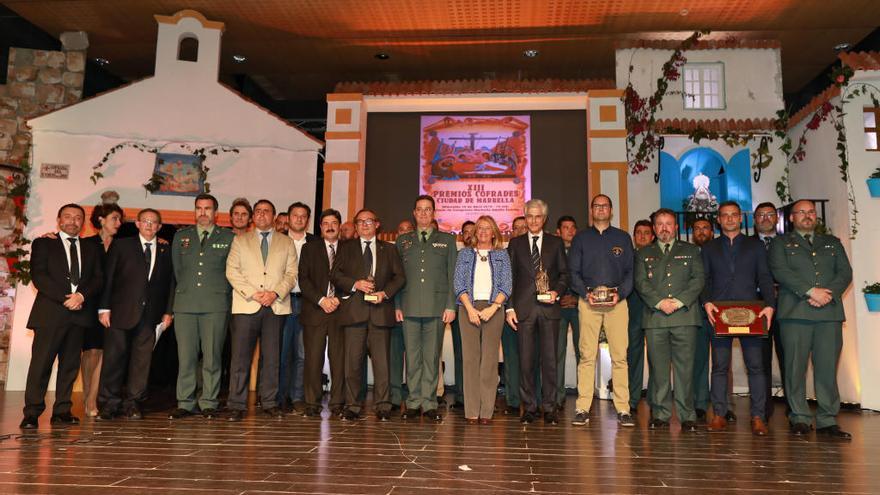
<point>813,272</point>
<point>425,305</point>
<point>669,278</point>
<point>201,307</point>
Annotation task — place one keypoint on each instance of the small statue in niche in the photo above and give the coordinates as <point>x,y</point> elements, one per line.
<point>702,199</point>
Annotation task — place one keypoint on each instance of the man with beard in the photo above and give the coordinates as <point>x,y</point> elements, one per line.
<point>813,272</point>
<point>240,216</point>
<point>703,232</point>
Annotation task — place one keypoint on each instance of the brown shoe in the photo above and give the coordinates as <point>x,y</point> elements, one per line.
<point>718,423</point>
<point>759,427</point>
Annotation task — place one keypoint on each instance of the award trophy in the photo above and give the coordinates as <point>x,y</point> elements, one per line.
<point>739,319</point>
<point>369,296</point>
<point>603,296</point>
<point>542,285</point>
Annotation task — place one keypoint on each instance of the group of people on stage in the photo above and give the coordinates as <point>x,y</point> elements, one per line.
<point>352,296</point>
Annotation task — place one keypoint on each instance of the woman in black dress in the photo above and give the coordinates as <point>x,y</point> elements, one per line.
<point>106,219</point>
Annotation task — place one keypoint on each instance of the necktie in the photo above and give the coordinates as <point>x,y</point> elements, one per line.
<point>74,261</point>
<point>807,238</point>
<point>331,291</point>
<point>424,236</point>
<point>148,257</point>
<point>536,256</point>
<point>368,258</point>
<point>204,239</point>
<point>767,243</point>
<point>264,246</point>
<point>665,249</point>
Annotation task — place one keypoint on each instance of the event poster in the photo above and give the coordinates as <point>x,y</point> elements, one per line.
<point>474,165</point>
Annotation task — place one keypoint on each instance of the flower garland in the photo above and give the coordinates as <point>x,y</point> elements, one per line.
<point>18,188</point>
<point>155,181</point>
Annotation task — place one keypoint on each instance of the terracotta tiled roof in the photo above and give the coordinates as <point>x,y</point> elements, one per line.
<point>469,86</point>
<point>817,101</point>
<point>861,60</point>
<point>701,45</point>
<point>717,125</point>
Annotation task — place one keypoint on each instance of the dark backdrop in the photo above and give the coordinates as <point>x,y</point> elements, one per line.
<point>559,163</point>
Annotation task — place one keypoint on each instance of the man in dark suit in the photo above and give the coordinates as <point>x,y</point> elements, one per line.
<point>813,273</point>
<point>533,315</point>
<point>319,310</point>
<point>68,276</point>
<point>369,273</point>
<point>138,281</point>
<point>735,267</point>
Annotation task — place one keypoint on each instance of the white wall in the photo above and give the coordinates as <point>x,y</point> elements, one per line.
<point>753,81</point>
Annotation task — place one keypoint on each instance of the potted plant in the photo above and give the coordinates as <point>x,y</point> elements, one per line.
<point>872,296</point>
<point>874,184</point>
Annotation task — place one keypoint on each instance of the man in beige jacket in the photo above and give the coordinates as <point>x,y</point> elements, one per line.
<point>261,268</point>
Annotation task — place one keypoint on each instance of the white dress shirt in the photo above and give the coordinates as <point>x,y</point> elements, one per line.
<point>66,242</point>
<point>152,253</point>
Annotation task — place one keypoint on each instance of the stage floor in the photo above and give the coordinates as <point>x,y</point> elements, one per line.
<point>309,455</point>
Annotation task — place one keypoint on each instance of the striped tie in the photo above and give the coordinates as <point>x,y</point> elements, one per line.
<point>536,255</point>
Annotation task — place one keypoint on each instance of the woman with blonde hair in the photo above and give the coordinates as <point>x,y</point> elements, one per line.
<point>482,284</point>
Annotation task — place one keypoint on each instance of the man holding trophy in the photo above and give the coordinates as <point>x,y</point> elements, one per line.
<point>601,258</point>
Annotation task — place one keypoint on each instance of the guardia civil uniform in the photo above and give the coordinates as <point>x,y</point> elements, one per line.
<point>799,263</point>
<point>429,264</point>
<point>201,309</point>
<point>664,271</point>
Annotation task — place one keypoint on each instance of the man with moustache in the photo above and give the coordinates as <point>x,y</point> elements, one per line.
<point>290,381</point>
<point>643,236</point>
<point>766,220</point>
<point>601,256</point>
<point>703,232</point>
<point>68,276</point>
<point>533,315</point>
<point>813,272</point>
<point>566,229</point>
<point>468,228</point>
<point>519,227</point>
<point>240,215</point>
<point>369,273</point>
<point>138,282</point>
<point>201,307</point>
<point>425,305</point>
<point>669,277</point>
<point>282,222</point>
<point>736,266</point>
<point>398,349</point>
<point>262,268</point>
<point>319,310</point>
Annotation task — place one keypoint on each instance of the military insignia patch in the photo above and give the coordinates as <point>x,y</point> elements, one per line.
<point>439,244</point>
<point>184,242</point>
<point>406,243</point>
<point>617,251</point>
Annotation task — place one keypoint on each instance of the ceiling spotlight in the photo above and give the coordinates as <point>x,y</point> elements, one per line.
<point>530,53</point>
<point>842,47</point>
<point>239,59</point>
<point>684,12</point>
<point>102,61</point>
<point>382,56</point>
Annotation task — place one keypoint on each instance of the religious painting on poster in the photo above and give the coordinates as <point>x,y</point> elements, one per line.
<point>475,165</point>
<point>181,174</point>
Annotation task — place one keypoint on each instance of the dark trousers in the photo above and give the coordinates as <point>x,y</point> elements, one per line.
<point>399,390</point>
<point>569,317</point>
<point>246,329</point>
<point>819,342</point>
<point>127,357</point>
<point>458,398</point>
<point>290,374</point>
<point>361,340</point>
<point>701,364</point>
<point>753,355</point>
<point>774,340</point>
<point>537,335</point>
<point>635,353</point>
<point>65,343</point>
<point>316,339</point>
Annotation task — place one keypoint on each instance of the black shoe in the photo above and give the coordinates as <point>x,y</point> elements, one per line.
<point>64,419</point>
<point>581,418</point>
<point>701,414</point>
<point>395,407</point>
<point>441,401</point>
<point>551,419</point>
<point>656,424</point>
<point>834,431</point>
<point>730,417</point>
<point>29,423</point>
<point>410,414</point>
<point>134,414</point>
<point>336,411</point>
<point>106,415</point>
<point>383,415</point>
<point>688,426</point>
<point>625,419</point>
<point>298,407</point>
<point>527,418</point>
<point>433,415</point>
<point>179,413</point>
<point>311,412</point>
<point>209,413</point>
<point>511,410</point>
<point>800,429</point>
<point>235,416</point>
<point>350,415</point>
<point>274,412</point>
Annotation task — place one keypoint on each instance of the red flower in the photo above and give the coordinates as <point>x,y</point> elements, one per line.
<point>10,179</point>
<point>19,202</point>
<point>10,263</point>
<point>840,79</point>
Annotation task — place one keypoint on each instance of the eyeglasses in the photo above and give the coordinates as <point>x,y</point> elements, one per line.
<point>804,212</point>
<point>366,221</point>
<point>150,222</point>
<point>765,215</point>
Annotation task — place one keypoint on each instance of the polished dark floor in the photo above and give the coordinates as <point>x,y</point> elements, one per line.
<point>323,456</point>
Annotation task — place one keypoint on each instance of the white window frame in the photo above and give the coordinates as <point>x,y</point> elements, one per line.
<point>695,90</point>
